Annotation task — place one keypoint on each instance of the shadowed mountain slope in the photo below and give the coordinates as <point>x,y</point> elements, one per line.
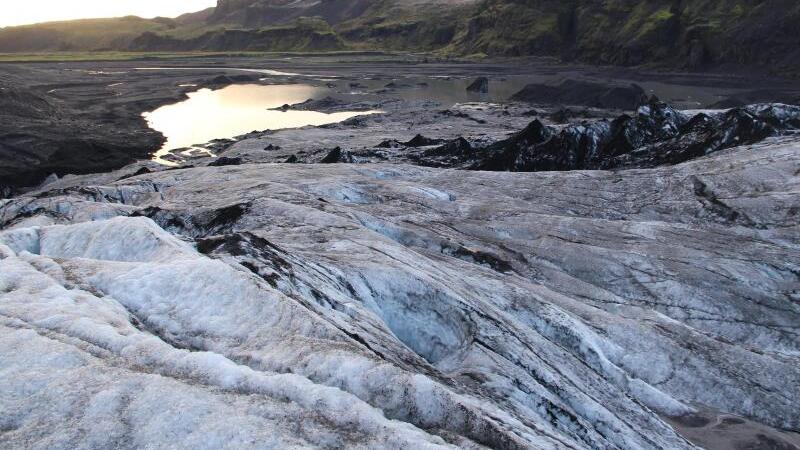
<point>699,34</point>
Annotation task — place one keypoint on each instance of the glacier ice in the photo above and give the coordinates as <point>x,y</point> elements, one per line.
<point>391,306</point>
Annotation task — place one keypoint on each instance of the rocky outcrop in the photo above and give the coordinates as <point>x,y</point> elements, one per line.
<point>225,161</point>
<point>422,141</point>
<point>584,93</point>
<point>479,86</point>
<point>336,155</point>
<point>656,135</point>
<point>329,104</point>
<point>225,80</point>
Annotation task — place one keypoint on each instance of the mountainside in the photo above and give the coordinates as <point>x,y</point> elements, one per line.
<point>682,34</point>
<point>630,32</point>
<point>254,14</point>
<point>78,35</point>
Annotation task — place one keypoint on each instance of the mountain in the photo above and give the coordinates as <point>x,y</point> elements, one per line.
<point>673,33</point>
<point>255,14</point>
<point>680,33</point>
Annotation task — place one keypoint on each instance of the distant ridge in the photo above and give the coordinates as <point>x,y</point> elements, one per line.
<point>697,34</point>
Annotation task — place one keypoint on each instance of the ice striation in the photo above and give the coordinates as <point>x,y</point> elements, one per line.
<point>395,306</point>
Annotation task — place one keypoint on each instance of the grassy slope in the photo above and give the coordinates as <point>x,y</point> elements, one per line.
<point>133,34</point>
<point>300,35</point>
<point>385,26</point>
<point>77,35</point>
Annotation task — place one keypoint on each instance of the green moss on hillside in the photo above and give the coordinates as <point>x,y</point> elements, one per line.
<point>78,35</point>
<point>676,33</point>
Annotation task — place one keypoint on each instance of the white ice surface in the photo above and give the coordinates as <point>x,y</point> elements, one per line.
<point>399,307</point>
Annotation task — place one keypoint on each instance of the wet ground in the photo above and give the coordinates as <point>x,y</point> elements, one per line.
<point>713,430</point>
<point>60,118</point>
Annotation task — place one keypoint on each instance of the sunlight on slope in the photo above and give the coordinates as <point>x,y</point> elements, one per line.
<point>35,11</point>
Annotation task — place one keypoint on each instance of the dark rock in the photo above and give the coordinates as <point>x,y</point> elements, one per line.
<point>395,85</point>
<point>41,132</point>
<point>220,80</point>
<point>422,141</point>
<point>255,253</point>
<point>503,155</point>
<point>355,122</point>
<point>703,134</point>
<point>271,147</point>
<point>245,78</point>
<point>390,143</point>
<point>218,146</point>
<point>322,104</point>
<point>452,153</point>
<point>584,93</point>
<point>291,159</point>
<point>565,115</point>
<point>654,122</point>
<point>226,161</point>
<point>196,224</point>
<point>657,135</point>
<point>141,171</point>
<point>451,113</point>
<point>459,149</point>
<point>225,80</point>
<point>460,114</point>
<point>480,85</point>
<point>337,155</point>
<point>730,102</point>
<point>698,55</point>
<point>483,258</point>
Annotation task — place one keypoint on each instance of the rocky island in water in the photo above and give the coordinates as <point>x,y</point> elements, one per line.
<point>407,249</point>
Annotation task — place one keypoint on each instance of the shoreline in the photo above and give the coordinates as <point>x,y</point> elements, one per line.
<point>100,111</point>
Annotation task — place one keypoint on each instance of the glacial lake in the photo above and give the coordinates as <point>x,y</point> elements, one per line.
<point>239,109</point>
<point>233,111</point>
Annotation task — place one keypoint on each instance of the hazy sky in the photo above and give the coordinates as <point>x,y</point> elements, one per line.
<point>18,12</point>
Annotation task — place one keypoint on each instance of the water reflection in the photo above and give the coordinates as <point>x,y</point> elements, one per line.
<point>233,111</point>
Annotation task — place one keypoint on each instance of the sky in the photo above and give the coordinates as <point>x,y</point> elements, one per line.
<point>34,11</point>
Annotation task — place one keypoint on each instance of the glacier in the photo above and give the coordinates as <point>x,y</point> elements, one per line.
<point>394,306</point>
